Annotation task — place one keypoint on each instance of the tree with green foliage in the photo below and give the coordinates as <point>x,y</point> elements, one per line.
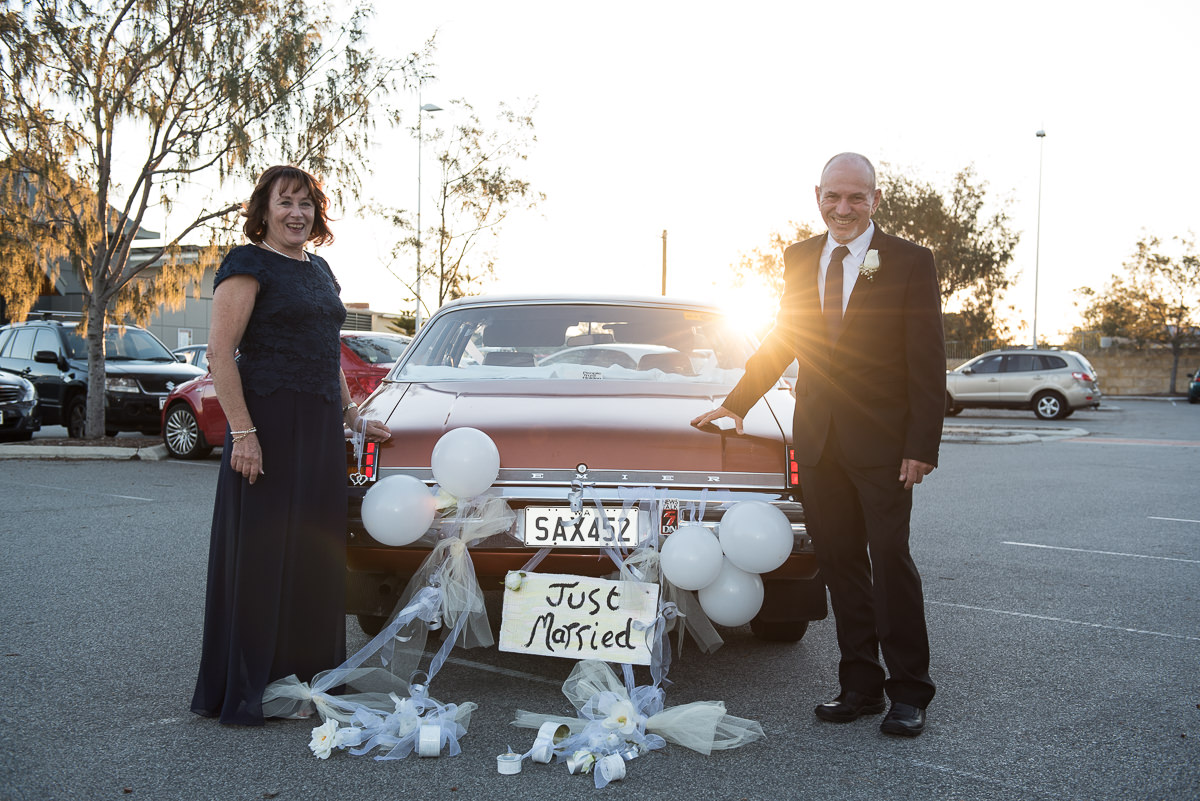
<point>765,265</point>
<point>480,184</point>
<point>972,251</point>
<point>1156,301</point>
<point>111,108</point>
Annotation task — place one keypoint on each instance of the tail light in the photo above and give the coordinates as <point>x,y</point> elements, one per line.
<point>369,454</point>
<point>1084,377</point>
<point>369,463</point>
<point>369,383</point>
<point>793,468</point>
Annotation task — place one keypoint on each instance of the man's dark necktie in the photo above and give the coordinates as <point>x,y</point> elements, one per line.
<point>833,292</point>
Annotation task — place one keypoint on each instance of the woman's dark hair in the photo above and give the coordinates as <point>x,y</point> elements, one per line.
<point>255,209</point>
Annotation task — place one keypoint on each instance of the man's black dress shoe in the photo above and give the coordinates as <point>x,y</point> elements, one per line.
<point>904,720</point>
<point>849,706</point>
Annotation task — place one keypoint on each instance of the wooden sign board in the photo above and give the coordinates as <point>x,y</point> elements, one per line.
<point>576,617</point>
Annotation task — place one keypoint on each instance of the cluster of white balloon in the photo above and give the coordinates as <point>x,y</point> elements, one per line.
<point>399,509</point>
<point>754,537</point>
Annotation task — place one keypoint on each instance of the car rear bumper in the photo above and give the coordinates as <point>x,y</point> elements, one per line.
<point>377,573</point>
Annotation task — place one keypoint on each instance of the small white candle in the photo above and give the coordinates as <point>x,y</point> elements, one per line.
<point>508,764</point>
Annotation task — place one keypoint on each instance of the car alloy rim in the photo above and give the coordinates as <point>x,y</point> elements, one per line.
<point>1049,406</point>
<point>182,431</point>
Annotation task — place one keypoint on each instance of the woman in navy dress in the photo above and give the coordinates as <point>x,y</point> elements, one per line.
<point>275,604</point>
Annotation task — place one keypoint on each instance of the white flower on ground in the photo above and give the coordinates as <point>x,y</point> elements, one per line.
<point>622,717</point>
<point>323,739</point>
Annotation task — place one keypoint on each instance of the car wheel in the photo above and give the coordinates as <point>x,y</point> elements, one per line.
<point>1193,400</point>
<point>77,417</point>
<point>779,630</point>
<point>371,624</point>
<point>182,435</point>
<point>951,409</point>
<point>1049,406</point>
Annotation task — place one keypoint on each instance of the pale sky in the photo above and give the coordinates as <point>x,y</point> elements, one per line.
<point>712,121</point>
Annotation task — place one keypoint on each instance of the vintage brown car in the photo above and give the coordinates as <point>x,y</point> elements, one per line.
<point>597,392</point>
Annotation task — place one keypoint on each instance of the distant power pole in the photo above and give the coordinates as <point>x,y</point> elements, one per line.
<point>664,286</point>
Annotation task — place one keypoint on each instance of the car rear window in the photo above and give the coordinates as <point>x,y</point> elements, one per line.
<point>376,349</point>
<point>579,341</point>
<point>1054,362</point>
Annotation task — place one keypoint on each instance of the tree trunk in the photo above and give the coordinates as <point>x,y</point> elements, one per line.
<point>96,314</point>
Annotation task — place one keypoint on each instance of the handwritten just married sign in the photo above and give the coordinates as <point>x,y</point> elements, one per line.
<point>576,617</point>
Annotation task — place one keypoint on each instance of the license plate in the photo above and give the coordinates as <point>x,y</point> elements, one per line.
<point>557,527</point>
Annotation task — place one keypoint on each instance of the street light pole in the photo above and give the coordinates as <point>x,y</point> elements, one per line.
<point>421,109</point>
<point>664,281</point>
<point>1037,247</point>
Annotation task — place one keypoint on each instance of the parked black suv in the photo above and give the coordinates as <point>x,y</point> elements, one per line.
<point>139,372</point>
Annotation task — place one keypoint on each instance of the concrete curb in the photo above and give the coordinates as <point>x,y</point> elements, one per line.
<point>154,453</point>
<point>1007,435</point>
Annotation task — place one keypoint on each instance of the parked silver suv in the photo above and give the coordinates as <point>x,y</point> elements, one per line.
<point>1053,383</point>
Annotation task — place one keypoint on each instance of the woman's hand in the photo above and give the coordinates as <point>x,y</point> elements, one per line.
<point>375,430</point>
<point>246,458</point>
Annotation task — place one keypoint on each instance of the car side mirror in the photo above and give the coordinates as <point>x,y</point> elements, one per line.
<point>968,371</point>
<point>46,357</point>
<point>179,357</point>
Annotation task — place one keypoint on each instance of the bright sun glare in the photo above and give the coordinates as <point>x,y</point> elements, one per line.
<point>752,307</point>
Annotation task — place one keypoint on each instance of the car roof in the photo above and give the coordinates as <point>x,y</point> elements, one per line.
<point>590,299</point>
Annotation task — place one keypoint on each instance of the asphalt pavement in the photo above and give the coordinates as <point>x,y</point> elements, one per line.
<point>1062,580</point>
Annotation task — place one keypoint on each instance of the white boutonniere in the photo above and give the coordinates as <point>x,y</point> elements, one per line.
<point>870,265</point>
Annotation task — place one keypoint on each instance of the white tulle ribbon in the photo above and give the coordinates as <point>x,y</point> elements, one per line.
<point>450,560</point>
<point>387,711</point>
<point>613,719</point>
<point>291,698</point>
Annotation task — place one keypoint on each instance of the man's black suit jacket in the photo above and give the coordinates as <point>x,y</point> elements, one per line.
<point>882,382</point>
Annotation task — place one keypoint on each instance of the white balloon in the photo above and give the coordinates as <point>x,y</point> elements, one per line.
<point>398,510</point>
<point>756,536</point>
<point>691,557</point>
<point>465,462</point>
<point>734,598</point>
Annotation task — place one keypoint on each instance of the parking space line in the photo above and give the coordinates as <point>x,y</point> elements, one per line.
<point>516,674</point>
<point>979,777</point>
<point>1158,443</point>
<point>77,491</point>
<point>1048,618</point>
<point>1174,519</point>
<point>1103,553</point>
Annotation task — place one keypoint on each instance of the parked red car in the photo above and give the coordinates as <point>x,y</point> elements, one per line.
<point>594,392</point>
<point>193,421</point>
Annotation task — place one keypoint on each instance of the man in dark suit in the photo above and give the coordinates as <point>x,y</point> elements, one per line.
<point>861,314</point>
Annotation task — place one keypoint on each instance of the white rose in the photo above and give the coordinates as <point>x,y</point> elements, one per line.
<point>514,580</point>
<point>323,738</point>
<point>871,262</point>
<point>622,717</point>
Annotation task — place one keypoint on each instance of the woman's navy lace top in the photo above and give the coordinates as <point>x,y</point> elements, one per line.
<point>292,338</point>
